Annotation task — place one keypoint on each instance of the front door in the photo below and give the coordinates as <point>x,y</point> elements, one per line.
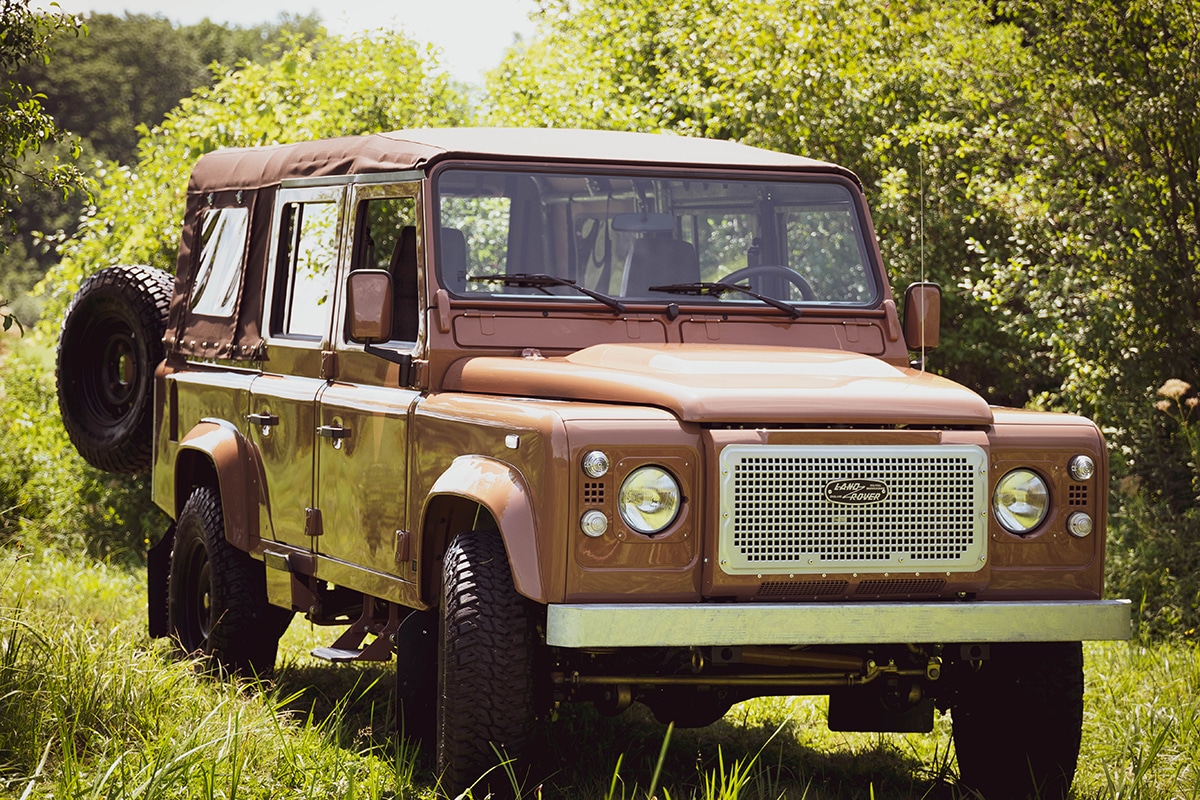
<point>363,415</point>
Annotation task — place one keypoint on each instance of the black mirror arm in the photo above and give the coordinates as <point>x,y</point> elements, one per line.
<point>404,360</point>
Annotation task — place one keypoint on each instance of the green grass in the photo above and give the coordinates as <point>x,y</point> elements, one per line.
<point>90,707</point>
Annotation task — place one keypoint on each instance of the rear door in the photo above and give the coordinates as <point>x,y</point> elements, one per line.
<point>282,421</point>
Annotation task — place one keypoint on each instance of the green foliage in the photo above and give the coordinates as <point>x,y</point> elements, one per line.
<point>130,71</point>
<point>25,127</point>
<point>43,220</point>
<point>221,44</point>
<point>1038,158</point>
<point>124,72</point>
<point>913,97</point>
<point>1105,235</point>
<point>91,708</point>
<point>47,492</point>
<point>329,87</point>
<point>1154,546</point>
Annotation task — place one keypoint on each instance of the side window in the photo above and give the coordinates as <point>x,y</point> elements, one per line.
<point>382,223</point>
<point>222,258</point>
<point>305,269</point>
<point>386,238</point>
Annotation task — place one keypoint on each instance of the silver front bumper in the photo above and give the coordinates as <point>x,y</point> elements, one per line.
<point>615,625</point>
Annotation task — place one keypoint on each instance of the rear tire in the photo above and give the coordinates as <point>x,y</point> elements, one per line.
<point>1018,721</point>
<point>217,595</point>
<point>110,346</point>
<point>486,668</point>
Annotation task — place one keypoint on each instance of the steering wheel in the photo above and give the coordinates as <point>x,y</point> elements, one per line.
<point>787,273</point>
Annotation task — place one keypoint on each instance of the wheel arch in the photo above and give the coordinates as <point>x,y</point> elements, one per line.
<point>481,493</point>
<point>214,453</point>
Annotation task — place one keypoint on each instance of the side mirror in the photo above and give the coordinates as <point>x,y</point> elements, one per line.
<point>369,305</point>
<point>922,315</point>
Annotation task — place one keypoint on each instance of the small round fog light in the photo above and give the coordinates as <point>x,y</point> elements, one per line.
<point>1079,524</point>
<point>1082,468</point>
<point>593,523</point>
<point>595,464</point>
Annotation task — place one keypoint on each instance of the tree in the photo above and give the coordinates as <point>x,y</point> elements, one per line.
<point>105,88</point>
<point>129,71</point>
<point>917,97</point>
<point>25,127</point>
<point>1108,254</point>
<point>327,87</point>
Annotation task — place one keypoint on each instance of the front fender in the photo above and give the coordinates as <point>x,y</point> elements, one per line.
<point>500,489</point>
<point>239,477</point>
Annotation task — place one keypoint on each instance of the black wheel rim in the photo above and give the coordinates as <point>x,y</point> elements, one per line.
<point>195,622</point>
<point>109,379</point>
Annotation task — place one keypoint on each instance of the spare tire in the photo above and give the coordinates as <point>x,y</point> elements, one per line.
<point>110,346</point>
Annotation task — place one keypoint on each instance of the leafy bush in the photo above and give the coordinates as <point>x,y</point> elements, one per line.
<point>1154,544</point>
<point>47,491</point>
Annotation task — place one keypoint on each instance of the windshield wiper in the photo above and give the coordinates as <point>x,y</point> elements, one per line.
<point>718,288</point>
<point>539,280</point>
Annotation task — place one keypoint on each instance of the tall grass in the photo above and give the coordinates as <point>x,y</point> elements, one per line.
<point>89,707</point>
<point>92,708</point>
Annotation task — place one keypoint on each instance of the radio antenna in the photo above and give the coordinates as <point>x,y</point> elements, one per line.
<point>921,217</point>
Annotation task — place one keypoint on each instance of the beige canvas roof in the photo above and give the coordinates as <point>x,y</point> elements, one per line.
<point>246,168</point>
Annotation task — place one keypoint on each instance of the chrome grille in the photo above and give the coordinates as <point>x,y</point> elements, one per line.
<point>799,508</point>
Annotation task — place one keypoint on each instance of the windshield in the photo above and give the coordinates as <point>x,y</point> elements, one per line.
<point>528,235</point>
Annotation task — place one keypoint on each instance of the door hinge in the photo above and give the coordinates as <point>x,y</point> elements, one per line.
<point>312,522</point>
<point>328,365</point>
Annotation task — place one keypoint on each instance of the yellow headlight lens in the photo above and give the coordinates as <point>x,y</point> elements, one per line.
<point>649,500</point>
<point>1021,501</point>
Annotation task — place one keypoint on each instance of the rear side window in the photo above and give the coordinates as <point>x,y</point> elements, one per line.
<point>306,275</point>
<point>222,259</point>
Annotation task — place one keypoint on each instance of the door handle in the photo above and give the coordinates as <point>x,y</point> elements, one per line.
<point>265,420</point>
<point>335,432</point>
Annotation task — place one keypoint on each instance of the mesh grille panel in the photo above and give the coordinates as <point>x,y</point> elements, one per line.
<point>852,507</point>
<point>803,589</point>
<point>912,586</point>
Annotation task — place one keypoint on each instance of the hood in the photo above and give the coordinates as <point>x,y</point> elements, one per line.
<point>732,384</point>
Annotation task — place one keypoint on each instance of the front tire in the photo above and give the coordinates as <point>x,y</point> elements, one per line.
<point>486,645</point>
<point>1018,721</point>
<point>217,595</point>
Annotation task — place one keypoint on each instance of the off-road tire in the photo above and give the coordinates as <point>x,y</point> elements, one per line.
<point>217,595</point>
<point>1018,719</point>
<point>110,345</point>
<point>486,646</point>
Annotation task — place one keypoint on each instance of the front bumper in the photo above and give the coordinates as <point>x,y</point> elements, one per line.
<point>665,625</point>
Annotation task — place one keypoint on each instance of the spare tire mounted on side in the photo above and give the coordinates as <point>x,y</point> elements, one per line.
<point>110,345</point>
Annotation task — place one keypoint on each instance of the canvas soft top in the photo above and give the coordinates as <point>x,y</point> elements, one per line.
<point>398,151</point>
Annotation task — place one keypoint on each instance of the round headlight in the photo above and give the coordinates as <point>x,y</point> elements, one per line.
<point>1082,468</point>
<point>649,500</point>
<point>595,464</point>
<point>1021,501</point>
<point>593,523</point>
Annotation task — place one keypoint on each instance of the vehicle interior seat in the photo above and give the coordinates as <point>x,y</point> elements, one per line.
<point>656,261</point>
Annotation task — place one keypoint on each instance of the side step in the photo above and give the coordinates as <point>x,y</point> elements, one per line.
<point>382,622</point>
<point>339,655</point>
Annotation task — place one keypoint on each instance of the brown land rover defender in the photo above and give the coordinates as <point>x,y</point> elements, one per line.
<point>561,416</point>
